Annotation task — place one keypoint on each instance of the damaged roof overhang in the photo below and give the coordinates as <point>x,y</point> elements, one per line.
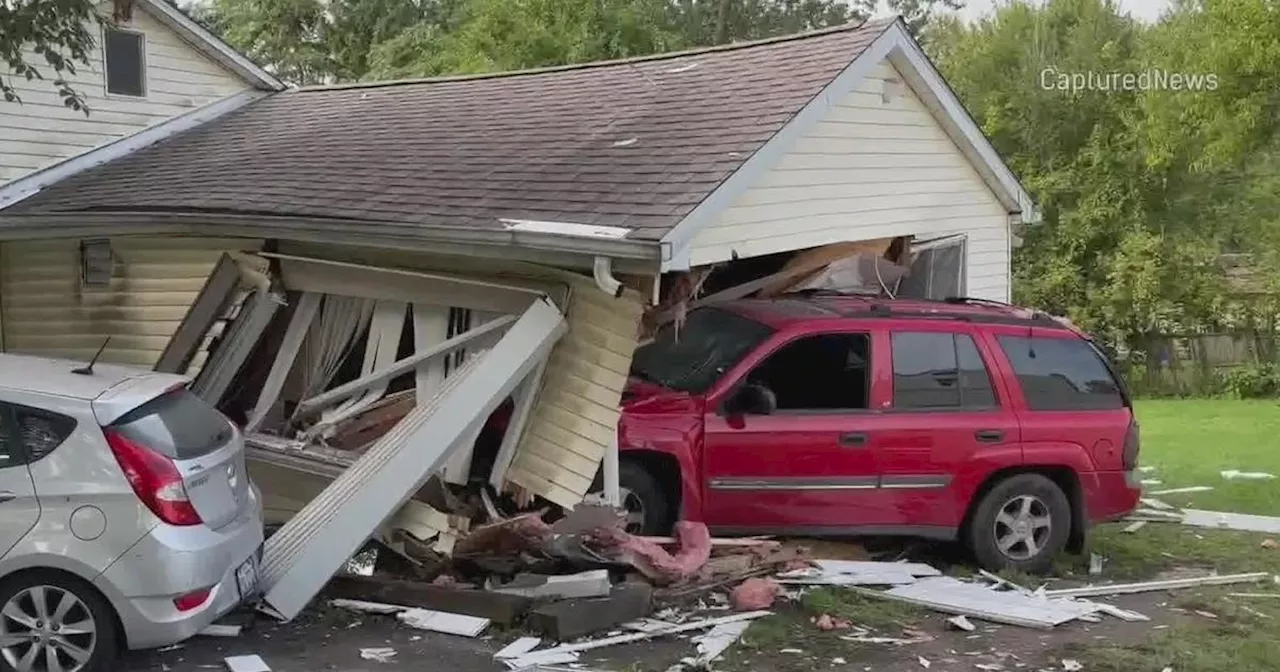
<point>629,255</point>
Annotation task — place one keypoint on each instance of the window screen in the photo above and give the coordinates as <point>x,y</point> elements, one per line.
<point>934,370</point>
<point>126,74</point>
<point>936,273</point>
<point>1062,374</point>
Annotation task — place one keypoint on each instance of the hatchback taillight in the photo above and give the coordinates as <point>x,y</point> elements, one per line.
<point>1132,445</point>
<point>155,479</point>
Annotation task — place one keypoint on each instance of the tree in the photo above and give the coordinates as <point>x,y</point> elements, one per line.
<point>40,37</point>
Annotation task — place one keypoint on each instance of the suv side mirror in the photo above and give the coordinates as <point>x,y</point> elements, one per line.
<point>751,399</point>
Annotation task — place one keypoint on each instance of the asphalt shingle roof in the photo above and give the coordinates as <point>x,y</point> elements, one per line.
<point>634,144</point>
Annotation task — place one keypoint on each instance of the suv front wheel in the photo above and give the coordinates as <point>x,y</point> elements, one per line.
<point>1021,524</point>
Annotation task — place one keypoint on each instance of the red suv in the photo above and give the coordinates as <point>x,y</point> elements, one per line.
<point>963,419</point>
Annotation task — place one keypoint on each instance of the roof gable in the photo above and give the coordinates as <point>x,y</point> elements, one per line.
<point>209,44</point>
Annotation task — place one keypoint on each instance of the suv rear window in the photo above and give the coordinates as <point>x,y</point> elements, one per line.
<point>709,343</point>
<point>177,424</point>
<point>1062,374</point>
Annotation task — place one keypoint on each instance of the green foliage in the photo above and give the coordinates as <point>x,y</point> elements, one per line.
<point>58,32</point>
<point>1253,382</point>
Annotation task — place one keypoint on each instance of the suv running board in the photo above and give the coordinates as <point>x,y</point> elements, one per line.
<point>315,544</point>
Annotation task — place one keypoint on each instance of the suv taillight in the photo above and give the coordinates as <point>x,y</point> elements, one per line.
<point>155,479</point>
<point>1132,444</point>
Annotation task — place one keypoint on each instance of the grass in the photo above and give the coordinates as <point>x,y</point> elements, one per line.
<point>1190,442</point>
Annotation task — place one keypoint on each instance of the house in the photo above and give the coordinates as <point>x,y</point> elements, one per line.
<point>541,209</point>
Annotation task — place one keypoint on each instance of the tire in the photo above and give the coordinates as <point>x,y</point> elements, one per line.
<point>90,611</point>
<point>647,506</point>
<point>1015,506</point>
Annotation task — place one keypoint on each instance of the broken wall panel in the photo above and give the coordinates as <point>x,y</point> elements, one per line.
<point>47,311</point>
<point>313,546</point>
<point>575,415</point>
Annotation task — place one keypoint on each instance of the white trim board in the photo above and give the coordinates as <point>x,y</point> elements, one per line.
<point>210,45</point>
<point>898,47</point>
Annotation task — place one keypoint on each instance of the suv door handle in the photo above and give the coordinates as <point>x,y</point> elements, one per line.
<point>989,435</point>
<point>853,439</point>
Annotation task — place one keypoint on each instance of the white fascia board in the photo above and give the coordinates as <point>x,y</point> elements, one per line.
<point>896,45</point>
<point>211,45</point>
<point>30,185</point>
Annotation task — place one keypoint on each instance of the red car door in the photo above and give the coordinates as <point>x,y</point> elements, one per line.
<point>950,423</point>
<point>807,466</point>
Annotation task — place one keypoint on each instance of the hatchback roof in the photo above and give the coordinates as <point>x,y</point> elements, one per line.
<point>782,311</point>
<point>46,375</point>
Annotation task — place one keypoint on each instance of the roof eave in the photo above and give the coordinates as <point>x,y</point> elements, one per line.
<point>556,249</point>
<point>211,45</point>
<point>31,184</point>
<point>896,45</point>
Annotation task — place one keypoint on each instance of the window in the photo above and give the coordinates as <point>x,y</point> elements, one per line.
<point>818,373</point>
<point>1062,374</point>
<point>939,371</point>
<point>179,425</point>
<point>29,434</point>
<point>936,272</point>
<point>126,62</point>
<point>42,430</point>
<point>709,343</point>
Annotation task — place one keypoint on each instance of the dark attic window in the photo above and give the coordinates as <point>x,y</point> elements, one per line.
<point>126,62</point>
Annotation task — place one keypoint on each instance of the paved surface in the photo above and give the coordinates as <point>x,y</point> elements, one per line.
<point>323,640</point>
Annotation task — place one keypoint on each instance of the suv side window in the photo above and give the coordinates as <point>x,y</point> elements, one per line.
<point>936,370</point>
<point>828,372</point>
<point>1062,374</point>
<point>29,433</point>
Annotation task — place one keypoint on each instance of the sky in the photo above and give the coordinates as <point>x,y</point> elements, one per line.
<point>1148,10</point>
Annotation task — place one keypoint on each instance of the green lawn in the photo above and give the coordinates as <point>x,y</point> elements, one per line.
<point>1191,441</point>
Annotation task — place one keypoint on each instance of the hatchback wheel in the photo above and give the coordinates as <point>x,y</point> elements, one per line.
<point>53,623</point>
<point>1022,524</point>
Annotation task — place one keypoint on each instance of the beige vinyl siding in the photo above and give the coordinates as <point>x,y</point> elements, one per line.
<point>870,169</point>
<point>576,413</point>
<point>42,131</point>
<point>45,310</point>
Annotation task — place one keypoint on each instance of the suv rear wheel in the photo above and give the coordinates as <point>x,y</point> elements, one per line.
<point>53,622</point>
<point>1022,524</point>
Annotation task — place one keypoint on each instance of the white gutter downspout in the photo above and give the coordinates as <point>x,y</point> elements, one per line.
<point>602,271</point>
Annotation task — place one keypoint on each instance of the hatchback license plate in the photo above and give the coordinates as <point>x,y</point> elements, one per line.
<point>247,578</point>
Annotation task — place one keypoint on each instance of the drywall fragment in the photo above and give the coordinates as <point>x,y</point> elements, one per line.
<point>218,630</point>
<point>1231,521</point>
<point>949,595</point>
<point>535,661</point>
<point>1095,563</point>
<point>1235,474</point>
<point>440,621</point>
<point>250,663</point>
<point>518,648</point>
<point>382,654</point>
<point>1156,504</point>
<point>1150,481</point>
<point>1122,614</point>
<point>1134,526</point>
<point>593,583</point>
<point>961,623</point>
<point>870,566</point>
<point>639,636</point>
<point>1178,491</point>
<point>924,662</point>
<point>1148,586</point>
<point>1071,665</point>
<point>718,640</point>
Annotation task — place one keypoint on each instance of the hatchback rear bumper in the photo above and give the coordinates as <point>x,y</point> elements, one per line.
<point>173,561</point>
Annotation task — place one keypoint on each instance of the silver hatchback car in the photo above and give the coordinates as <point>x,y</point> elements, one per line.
<point>127,519</point>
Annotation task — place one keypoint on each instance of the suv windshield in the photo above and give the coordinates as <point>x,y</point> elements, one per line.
<point>710,342</point>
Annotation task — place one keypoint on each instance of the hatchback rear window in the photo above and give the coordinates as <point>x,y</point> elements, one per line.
<point>177,424</point>
<point>1062,374</point>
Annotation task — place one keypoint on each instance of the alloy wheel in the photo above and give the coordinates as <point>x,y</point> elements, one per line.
<point>47,629</point>
<point>1023,527</point>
